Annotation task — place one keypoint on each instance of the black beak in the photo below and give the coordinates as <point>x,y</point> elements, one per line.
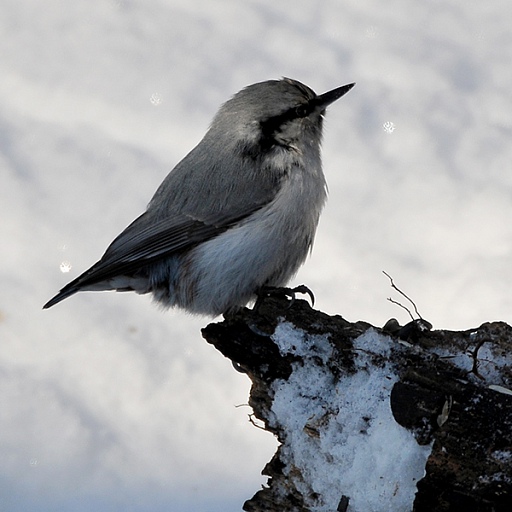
<point>325,99</point>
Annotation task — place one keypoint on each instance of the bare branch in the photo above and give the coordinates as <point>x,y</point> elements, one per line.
<point>402,306</point>
<point>403,295</point>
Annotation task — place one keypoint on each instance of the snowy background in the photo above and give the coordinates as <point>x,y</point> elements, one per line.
<point>107,403</point>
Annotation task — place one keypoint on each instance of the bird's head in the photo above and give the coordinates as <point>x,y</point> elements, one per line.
<point>274,114</point>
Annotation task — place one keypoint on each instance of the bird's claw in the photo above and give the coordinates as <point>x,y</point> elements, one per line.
<point>302,288</point>
<point>267,291</point>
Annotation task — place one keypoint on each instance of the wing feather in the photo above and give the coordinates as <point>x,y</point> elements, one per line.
<point>187,219</point>
<point>144,242</point>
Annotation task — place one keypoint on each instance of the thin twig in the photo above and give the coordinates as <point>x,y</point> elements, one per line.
<point>252,420</point>
<point>402,306</point>
<point>404,295</point>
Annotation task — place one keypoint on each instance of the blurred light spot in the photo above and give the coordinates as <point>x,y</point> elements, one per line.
<point>155,99</point>
<point>65,267</point>
<point>371,32</point>
<point>33,462</point>
<point>389,127</point>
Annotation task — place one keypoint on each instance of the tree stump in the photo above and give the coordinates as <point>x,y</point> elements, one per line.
<point>372,421</point>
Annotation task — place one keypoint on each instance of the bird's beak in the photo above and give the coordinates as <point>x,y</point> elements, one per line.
<point>325,99</point>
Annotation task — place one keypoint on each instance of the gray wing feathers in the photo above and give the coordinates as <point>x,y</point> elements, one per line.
<point>140,244</point>
<point>194,203</point>
<point>144,242</point>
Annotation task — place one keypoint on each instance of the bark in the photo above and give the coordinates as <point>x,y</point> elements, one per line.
<point>354,388</point>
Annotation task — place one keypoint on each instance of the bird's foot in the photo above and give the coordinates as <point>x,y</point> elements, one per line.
<point>269,291</point>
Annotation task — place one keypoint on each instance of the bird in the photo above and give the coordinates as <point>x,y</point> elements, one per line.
<point>235,217</point>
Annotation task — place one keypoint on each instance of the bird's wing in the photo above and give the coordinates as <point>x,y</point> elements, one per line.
<point>145,241</point>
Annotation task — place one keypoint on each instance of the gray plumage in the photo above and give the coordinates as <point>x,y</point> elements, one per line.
<point>237,214</point>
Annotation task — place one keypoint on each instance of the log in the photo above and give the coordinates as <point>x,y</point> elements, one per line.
<point>370,420</point>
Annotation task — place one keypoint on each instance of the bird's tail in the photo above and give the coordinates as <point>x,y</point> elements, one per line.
<point>66,292</point>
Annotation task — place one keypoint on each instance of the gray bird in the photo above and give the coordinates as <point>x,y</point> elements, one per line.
<point>236,216</point>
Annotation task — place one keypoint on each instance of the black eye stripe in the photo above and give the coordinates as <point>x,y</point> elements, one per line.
<point>271,125</point>
<point>303,110</point>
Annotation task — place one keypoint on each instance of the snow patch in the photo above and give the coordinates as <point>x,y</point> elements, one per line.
<point>340,433</point>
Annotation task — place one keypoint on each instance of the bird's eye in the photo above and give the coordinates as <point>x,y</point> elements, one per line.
<point>302,111</point>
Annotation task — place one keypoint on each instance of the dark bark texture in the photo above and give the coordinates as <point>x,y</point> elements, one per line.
<point>452,393</point>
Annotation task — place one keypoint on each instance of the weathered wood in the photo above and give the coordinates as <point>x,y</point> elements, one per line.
<point>448,389</point>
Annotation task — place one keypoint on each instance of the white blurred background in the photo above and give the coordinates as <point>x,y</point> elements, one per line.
<point>108,403</point>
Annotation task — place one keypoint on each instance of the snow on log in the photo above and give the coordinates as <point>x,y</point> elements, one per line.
<point>373,421</point>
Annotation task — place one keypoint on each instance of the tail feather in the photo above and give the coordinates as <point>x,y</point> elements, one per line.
<point>66,292</point>
<point>70,289</point>
<point>88,281</point>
